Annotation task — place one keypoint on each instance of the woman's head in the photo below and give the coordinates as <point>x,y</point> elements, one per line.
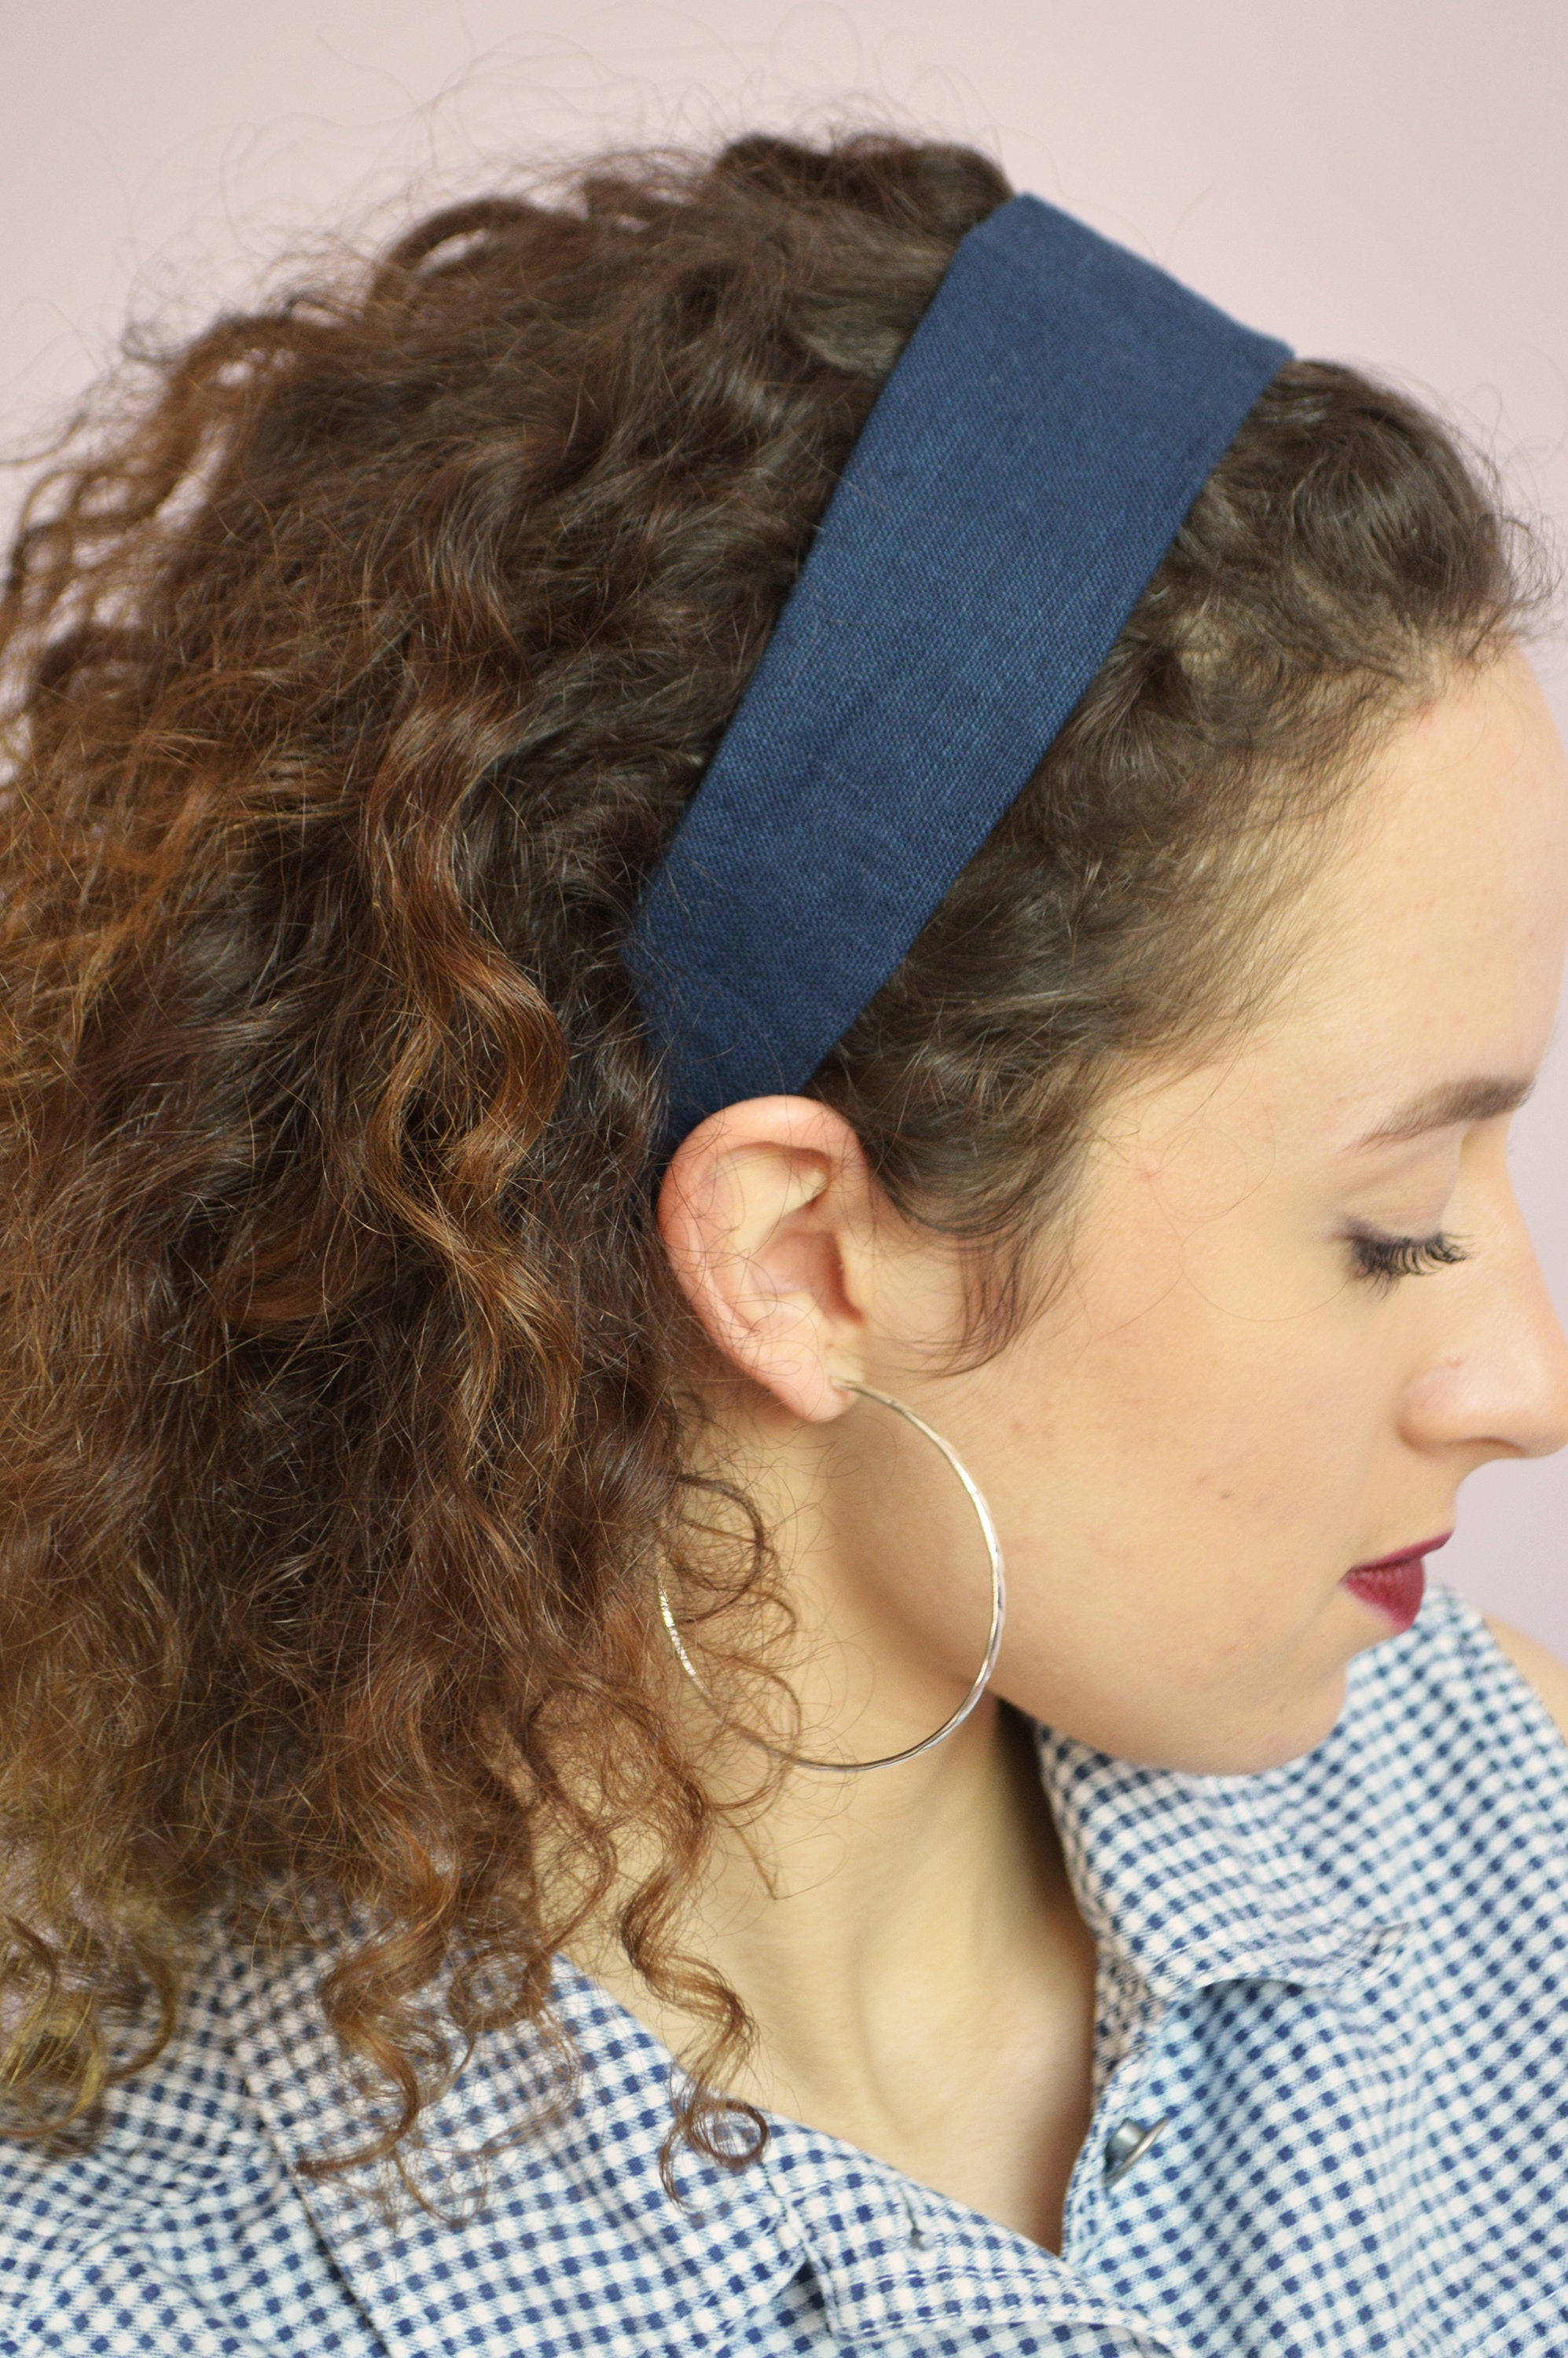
<point>351,1400</point>
<point>1291,1307</point>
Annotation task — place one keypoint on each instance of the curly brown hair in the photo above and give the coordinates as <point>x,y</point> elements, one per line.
<point>358,672</point>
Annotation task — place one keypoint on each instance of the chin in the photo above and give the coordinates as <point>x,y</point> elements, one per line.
<point>1235,1742</point>
<point>1297,1732</point>
<point>1250,1746</point>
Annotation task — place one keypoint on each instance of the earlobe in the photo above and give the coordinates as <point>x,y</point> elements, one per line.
<point>767,1216</point>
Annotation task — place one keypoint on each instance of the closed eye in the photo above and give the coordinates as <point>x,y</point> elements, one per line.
<point>1382,1259</point>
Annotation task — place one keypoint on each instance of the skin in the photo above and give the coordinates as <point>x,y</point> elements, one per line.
<point>1216,1414</point>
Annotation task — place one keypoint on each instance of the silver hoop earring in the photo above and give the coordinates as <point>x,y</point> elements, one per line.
<point>993,1643</point>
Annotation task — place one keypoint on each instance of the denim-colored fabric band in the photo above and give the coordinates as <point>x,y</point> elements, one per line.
<point>1022,473</point>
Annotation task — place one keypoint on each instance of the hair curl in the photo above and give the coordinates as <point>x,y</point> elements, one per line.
<point>358,672</point>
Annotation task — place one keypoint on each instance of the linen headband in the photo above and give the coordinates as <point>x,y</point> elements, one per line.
<point>1022,472</point>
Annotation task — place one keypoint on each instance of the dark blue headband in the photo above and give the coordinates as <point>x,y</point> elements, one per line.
<point>1022,473</point>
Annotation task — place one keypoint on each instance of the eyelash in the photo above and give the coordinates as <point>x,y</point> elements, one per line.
<point>1383,1260</point>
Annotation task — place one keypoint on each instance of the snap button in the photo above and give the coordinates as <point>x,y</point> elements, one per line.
<point>1127,2144</point>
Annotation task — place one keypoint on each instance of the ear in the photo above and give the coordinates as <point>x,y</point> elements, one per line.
<point>768,1214</point>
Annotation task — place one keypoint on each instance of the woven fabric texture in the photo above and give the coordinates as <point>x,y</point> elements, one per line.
<point>1022,473</point>
<point>1341,1983</point>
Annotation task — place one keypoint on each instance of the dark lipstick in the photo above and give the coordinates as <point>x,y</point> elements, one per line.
<point>1394,1586</point>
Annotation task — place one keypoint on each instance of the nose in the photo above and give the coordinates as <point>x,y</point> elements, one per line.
<point>1498,1385</point>
<point>1535,1417</point>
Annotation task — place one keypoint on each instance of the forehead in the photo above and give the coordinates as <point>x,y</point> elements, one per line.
<point>1432,941</point>
<point>1426,956</point>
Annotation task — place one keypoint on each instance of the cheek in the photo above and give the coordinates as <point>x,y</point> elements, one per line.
<point>1191,1472</point>
<point>1173,1560</point>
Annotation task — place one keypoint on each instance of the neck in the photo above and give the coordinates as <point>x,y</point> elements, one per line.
<point>920,1983</point>
<point>918,1879</point>
<point>904,1941</point>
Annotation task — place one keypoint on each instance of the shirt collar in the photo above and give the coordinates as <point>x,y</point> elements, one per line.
<point>1188,1881</point>
<point>582,2186</point>
<point>581,2195</point>
<point>1184,1880</point>
<point>900,2266</point>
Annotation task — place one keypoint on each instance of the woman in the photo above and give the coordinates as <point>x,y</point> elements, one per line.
<point>579,1186</point>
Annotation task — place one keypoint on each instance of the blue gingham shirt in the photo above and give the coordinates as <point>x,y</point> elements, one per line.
<point>1341,1985</point>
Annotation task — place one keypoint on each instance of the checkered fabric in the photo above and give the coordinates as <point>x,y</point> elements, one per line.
<point>1340,1985</point>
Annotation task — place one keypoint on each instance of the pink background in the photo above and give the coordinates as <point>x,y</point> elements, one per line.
<point>1382,180</point>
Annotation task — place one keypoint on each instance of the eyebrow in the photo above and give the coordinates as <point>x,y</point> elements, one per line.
<point>1481,1099</point>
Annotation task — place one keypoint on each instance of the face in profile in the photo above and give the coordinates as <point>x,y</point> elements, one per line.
<point>1300,1305</point>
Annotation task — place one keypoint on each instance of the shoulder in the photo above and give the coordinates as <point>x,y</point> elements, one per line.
<point>172,2122</point>
<point>175,2227</point>
<point>1544,1671</point>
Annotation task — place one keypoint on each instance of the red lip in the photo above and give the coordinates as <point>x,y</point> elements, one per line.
<point>1393,1585</point>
